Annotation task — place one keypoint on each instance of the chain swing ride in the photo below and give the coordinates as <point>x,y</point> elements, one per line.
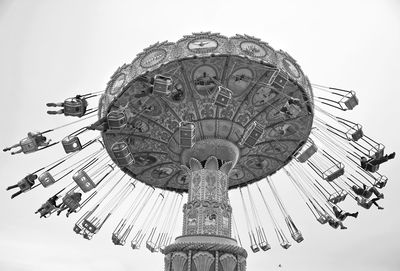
<point>190,120</point>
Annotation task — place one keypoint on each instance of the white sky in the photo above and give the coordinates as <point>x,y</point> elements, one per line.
<point>51,50</point>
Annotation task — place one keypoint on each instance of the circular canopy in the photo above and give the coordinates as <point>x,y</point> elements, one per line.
<point>260,87</point>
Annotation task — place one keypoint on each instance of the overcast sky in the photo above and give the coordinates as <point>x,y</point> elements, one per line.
<point>51,50</point>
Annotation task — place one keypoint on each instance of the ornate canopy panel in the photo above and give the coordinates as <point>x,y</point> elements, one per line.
<point>268,89</point>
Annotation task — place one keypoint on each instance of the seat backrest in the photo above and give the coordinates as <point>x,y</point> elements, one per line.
<point>89,226</point>
<point>74,107</point>
<point>116,240</point>
<point>46,179</point>
<point>71,144</point>
<point>264,246</point>
<point>116,120</point>
<point>330,176</point>
<point>134,245</point>
<point>298,237</point>
<point>285,245</point>
<point>255,248</point>
<point>70,202</point>
<point>83,180</point>
<point>303,156</point>
<point>28,145</point>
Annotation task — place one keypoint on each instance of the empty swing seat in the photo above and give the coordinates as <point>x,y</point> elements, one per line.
<point>89,226</point>
<point>280,80</point>
<point>286,245</point>
<point>134,245</point>
<point>162,84</point>
<point>357,134</point>
<point>28,145</point>
<point>75,107</point>
<point>255,248</point>
<point>337,197</point>
<point>297,236</point>
<point>116,240</point>
<point>264,246</point>
<point>252,134</point>
<point>116,120</point>
<point>71,144</point>
<point>223,96</point>
<point>187,133</point>
<point>77,229</point>
<point>122,154</point>
<point>332,175</point>
<point>87,235</point>
<point>350,102</point>
<point>151,246</point>
<point>322,219</point>
<point>83,180</point>
<point>46,179</point>
<point>307,153</point>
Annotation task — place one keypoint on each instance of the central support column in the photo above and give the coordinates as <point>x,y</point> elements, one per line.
<point>208,211</point>
<point>206,243</point>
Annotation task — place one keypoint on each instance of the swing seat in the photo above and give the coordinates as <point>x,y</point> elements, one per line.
<point>280,80</point>
<point>350,101</point>
<point>83,180</point>
<point>285,245</point>
<point>333,175</point>
<point>116,120</point>
<point>75,107</point>
<point>46,179</point>
<point>134,245</point>
<point>264,246</point>
<point>87,235</point>
<point>334,198</point>
<point>223,97</point>
<point>376,151</point>
<point>116,240</point>
<point>252,134</point>
<point>89,226</point>
<point>151,246</point>
<point>47,209</point>
<point>343,195</point>
<point>356,135</point>
<point>71,203</point>
<point>28,145</point>
<point>337,197</point>
<point>297,236</point>
<point>24,185</point>
<point>372,168</point>
<point>77,229</point>
<point>255,248</point>
<point>333,223</point>
<point>122,154</point>
<point>322,219</point>
<point>162,84</point>
<point>71,144</point>
<point>187,134</point>
<point>307,153</point>
<point>381,182</point>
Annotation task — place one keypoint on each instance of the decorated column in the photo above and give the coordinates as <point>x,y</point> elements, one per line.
<point>206,243</point>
